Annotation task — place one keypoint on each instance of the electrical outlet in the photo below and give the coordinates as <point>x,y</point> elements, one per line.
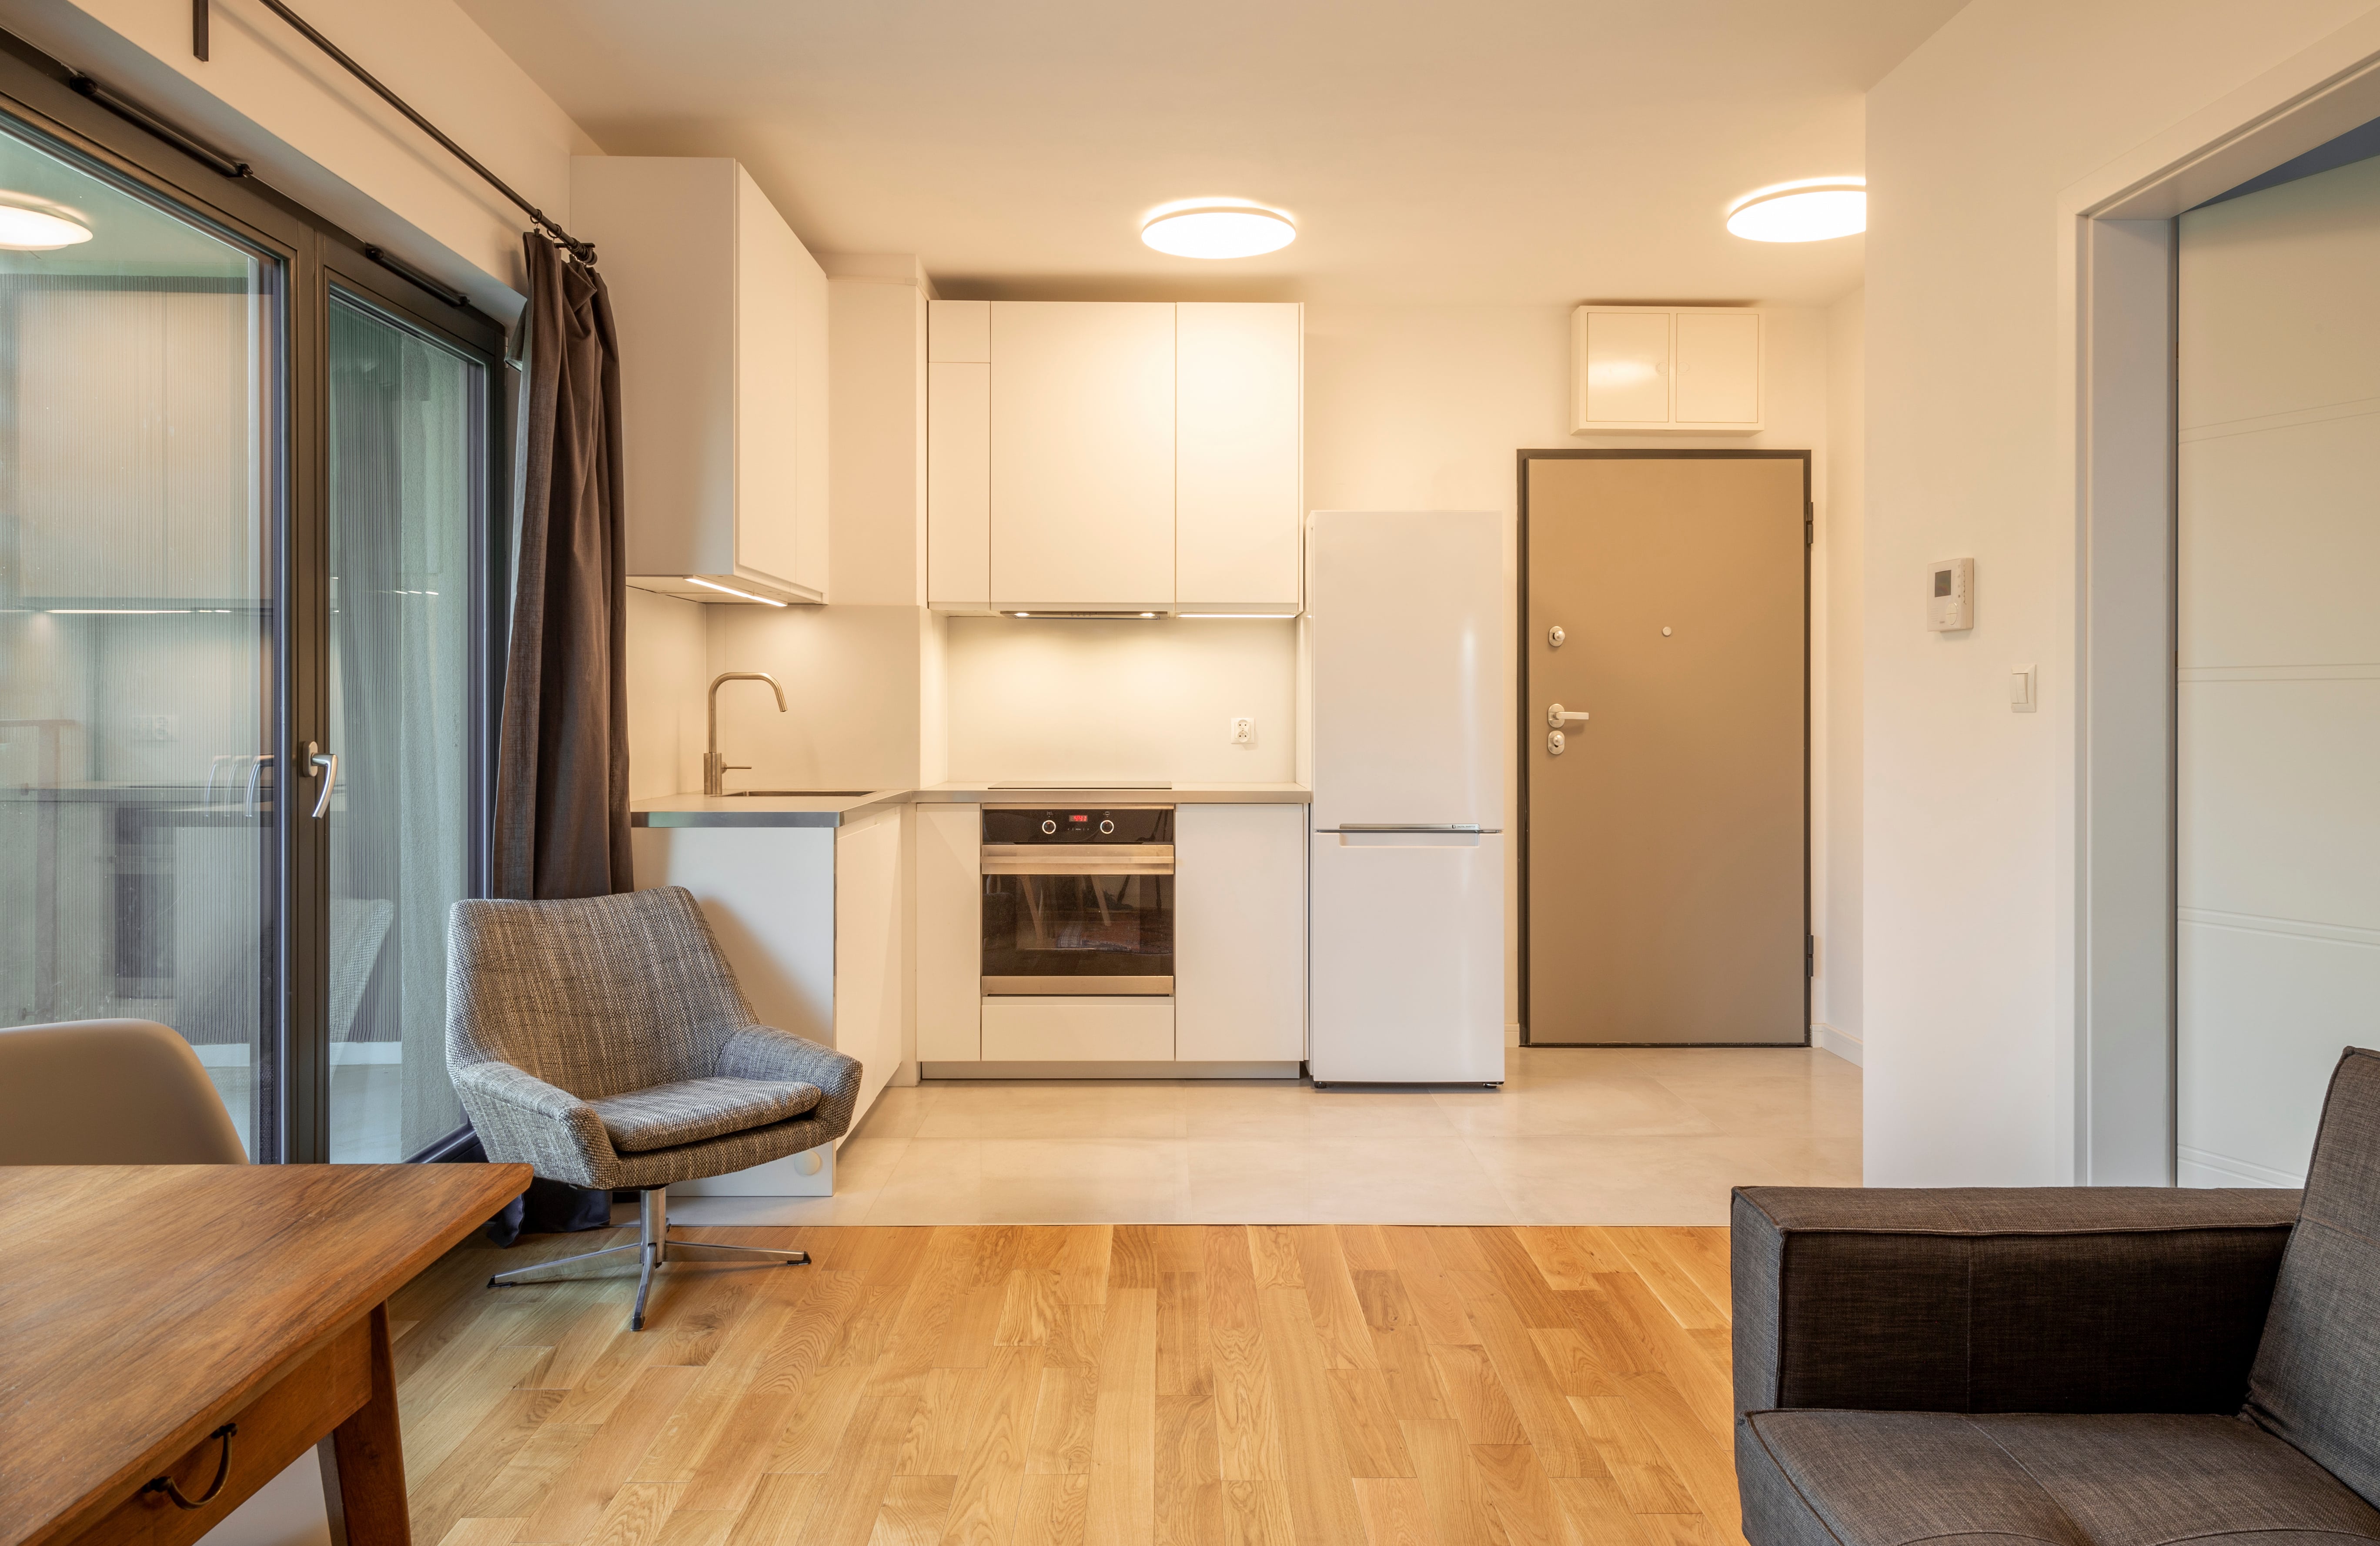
<point>1244,732</point>
<point>153,727</point>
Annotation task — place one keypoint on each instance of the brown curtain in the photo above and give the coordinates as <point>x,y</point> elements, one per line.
<point>562,769</point>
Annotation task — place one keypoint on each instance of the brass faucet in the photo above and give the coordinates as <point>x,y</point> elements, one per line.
<point>714,768</point>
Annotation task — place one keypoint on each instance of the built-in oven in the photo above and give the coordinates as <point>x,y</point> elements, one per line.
<point>1079,901</point>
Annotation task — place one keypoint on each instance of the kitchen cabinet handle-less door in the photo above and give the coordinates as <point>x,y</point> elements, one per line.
<point>1082,461</point>
<point>1239,934</point>
<point>1239,471</point>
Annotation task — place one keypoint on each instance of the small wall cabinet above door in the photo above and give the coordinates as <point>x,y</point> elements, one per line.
<point>1645,369</point>
<point>1114,456</point>
<point>722,319</point>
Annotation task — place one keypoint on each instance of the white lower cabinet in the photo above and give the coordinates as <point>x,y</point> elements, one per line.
<point>949,933</point>
<point>1077,1029</point>
<point>1239,932</point>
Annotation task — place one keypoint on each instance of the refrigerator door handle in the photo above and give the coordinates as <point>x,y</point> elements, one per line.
<point>1409,826</point>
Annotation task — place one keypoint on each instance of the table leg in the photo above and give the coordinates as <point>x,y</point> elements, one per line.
<point>363,1461</point>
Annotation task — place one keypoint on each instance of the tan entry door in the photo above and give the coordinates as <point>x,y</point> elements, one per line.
<point>1666,841</point>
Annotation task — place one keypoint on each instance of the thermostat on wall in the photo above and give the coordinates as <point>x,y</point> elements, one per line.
<point>1950,595</point>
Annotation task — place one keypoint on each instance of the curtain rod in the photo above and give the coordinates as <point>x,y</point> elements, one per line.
<point>582,250</point>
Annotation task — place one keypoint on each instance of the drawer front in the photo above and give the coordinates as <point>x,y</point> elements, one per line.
<point>278,1425</point>
<point>1078,1029</point>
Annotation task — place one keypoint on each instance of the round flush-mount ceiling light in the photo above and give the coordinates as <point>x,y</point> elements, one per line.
<point>1217,228</point>
<point>1816,209</point>
<point>27,229</point>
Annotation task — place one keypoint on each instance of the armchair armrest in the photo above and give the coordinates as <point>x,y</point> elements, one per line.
<point>766,1053</point>
<point>522,1119</point>
<point>2033,1299</point>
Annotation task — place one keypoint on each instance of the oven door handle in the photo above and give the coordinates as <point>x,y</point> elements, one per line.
<point>1022,858</point>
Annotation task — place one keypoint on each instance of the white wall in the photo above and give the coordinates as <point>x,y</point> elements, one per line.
<point>268,97</point>
<point>1423,407</point>
<point>668,658</point>
<point>1128,700</point>
<point>1969,809</point>
<point>1836,606</point>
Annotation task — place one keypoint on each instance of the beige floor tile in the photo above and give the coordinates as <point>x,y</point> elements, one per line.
<point>1638,1135</point>
<point>1630,1103</point>
<point>1376,1181</point>
<point>1101,1110</point>
<point>937,1181</point>
<point>1249,1181</point>
<point>1083,1181</point>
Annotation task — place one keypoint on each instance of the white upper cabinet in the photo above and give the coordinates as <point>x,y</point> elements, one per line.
<point>1082,455</point>
<point>721,316</point>
<point>1097,456</point>
<point>1639,369</point>
<point>1239,470</point>
<point>958,454</point>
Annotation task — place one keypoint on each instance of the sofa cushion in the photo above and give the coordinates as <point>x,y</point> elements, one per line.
<point>1892,1479</point>
<point>687,1110</point>
<point>2316,1377</point>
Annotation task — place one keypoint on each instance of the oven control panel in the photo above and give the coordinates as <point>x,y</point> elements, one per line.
<point>1035,825</point>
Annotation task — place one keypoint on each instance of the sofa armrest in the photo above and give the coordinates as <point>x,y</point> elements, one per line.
<point>520,1118</point>
<point>2034,1299</point>
<point>766,1053</point>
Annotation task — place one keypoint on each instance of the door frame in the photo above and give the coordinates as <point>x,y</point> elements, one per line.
<point>2117,292</point>
<point>1525,724</point>
<point>314,256</point>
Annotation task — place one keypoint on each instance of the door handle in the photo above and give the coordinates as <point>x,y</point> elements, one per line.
<point>326,767</point>
<point>1557,716</point>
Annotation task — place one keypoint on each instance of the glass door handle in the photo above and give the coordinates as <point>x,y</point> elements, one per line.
<point>326,767</point>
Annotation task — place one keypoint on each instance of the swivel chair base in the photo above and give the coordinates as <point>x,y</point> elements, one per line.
<point>653,1247</point>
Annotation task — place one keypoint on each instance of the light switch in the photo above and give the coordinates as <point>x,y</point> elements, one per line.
<point>2021,684</point>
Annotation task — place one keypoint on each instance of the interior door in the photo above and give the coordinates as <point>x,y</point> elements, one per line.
<point>2278,661</point>
<point>1665,748</point>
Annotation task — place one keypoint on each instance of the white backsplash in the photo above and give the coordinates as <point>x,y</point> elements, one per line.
<point>1063,700</point>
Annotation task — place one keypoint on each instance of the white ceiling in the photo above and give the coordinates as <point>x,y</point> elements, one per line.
<point>1519,150</point>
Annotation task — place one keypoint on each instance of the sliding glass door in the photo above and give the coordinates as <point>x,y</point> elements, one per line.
<point>139,623</point>
<point>408,490</point>
<point>252,563</point>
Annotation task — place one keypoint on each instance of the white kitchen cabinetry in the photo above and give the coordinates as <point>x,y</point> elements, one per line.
<point>811,918</point>
<point>1638,370</point>
<point>949,933</point>
<point>1239,477</point>
<point>1097,456</point>
<point>1082,455</point>
<point>1239,934</point>
<point>958,454</point>
<point>722,316</point>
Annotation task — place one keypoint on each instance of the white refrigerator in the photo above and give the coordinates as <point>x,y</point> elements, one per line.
<point>1410,702</point>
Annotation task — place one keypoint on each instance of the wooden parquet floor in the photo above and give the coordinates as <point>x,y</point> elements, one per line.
<point>1192,1385</point>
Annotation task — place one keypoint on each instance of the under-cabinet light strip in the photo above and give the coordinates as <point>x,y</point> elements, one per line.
<point>712,585</point>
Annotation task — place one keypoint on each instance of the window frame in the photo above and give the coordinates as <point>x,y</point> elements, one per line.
<point>315,259</point>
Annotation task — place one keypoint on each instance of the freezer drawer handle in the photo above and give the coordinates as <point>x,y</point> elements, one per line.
<point>1405,826</point>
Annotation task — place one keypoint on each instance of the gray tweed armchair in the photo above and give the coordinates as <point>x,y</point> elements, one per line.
<point>2081,1366</point>
<point>604,1043</point>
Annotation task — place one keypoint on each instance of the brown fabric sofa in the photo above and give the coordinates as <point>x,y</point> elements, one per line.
<point>2084,1367</point>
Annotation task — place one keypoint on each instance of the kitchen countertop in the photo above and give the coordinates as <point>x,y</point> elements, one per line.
<point>836,809</point>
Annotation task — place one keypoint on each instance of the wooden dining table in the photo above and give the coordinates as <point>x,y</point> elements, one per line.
<point>172,1336</point>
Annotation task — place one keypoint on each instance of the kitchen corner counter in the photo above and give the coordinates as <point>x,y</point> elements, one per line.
<point>1096,794</point>
<point>842,810</point>
<point>762,811</point>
